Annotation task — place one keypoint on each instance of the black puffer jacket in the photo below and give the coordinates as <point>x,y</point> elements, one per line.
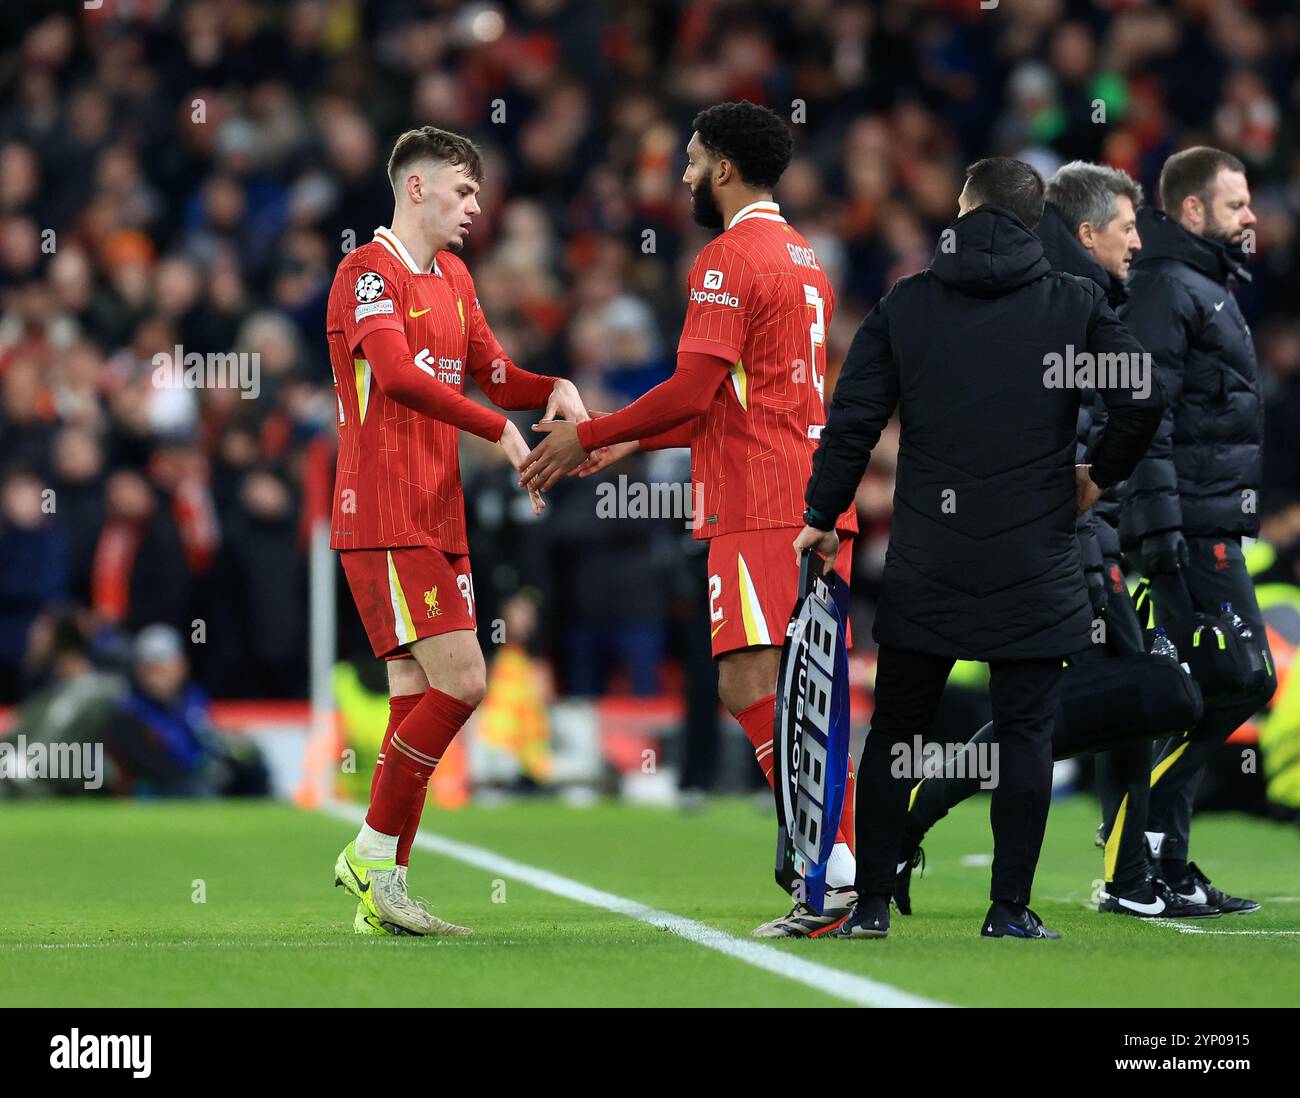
<point>1098,530</point>
<point>1202,474</point>
<point>982,562</point>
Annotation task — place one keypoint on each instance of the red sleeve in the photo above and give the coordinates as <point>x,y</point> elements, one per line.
<point>721,302</point>
<point>666,440</point>
<point>402,380</point>
<point>372,299</point>
<point>685,395</point>
<point>506,385</point>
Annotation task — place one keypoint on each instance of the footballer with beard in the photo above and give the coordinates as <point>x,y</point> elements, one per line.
<point>748,398</point>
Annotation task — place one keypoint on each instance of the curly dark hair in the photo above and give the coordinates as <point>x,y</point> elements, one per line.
<point>753,138</point>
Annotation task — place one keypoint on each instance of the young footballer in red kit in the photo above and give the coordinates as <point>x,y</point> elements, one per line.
<point>404,328</point>
<point>748,397</point>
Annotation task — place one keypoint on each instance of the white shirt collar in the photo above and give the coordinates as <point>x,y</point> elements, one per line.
<point>385,236</point>
<point>765,209</point>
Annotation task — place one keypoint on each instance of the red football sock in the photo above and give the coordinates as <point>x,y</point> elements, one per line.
<point>399,709</point>
<point>412,755</point>
<point>757,721</point>
<point>407,838</point>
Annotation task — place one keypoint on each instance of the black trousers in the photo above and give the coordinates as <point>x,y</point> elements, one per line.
<point>909,685</point>
<point>1124,774</point>
<point>1216,574</point>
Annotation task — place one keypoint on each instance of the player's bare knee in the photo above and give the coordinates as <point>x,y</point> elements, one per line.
<point>467,680</point>
<point>747,677</point>
<point>471,686</point>
<point>405,677</point>
<point>729,697</point>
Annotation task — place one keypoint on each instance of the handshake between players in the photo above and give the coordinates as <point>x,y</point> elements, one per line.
<point>748,397</point>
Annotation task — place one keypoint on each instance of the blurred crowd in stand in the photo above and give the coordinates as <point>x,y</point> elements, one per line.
<point>186,174</point>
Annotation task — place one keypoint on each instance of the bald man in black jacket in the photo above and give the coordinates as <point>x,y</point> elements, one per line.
<point>984,355</point>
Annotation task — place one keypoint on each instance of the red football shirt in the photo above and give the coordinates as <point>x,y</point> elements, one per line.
<point>398,475</point>
<point>759,299</point>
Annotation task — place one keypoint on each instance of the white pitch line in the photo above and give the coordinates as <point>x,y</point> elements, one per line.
<point>859,990</point>
<point>1187,928</point>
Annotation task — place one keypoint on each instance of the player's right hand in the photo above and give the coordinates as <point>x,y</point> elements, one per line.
<point>565,403</point>
<point>605,456</point>
<point>516,450</point>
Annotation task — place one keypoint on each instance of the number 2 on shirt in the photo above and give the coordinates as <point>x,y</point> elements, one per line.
<point>817,332</point>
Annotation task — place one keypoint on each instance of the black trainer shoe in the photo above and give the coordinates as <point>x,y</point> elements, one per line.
<point>1154,900</point>
<point>868,919</point>
<point>1005,921</point>
<point>903,882</point>
<point>1196,888</point>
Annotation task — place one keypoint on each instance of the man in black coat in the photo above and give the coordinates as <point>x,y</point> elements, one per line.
<point>983,354</point>
<point>1089,229</point>
<point>1196,493</point>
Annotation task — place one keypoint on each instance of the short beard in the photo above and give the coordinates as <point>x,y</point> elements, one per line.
<point>705,210</point>
<point>1216,231</point>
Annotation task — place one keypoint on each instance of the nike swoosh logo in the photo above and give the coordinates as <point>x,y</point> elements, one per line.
<point>413,314</point>
<point>715,632</point>
<point>363,885</point>
<point>1219,306</point>
<point>1154,908</point>
<point>1196,896</point>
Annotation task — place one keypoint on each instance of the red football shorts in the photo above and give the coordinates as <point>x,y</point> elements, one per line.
<point>407,594</point>
<point>753,581</point>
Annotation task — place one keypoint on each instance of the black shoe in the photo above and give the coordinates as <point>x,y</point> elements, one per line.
<point>1196,888</point>
<point>868,919</point>
<point>1154,900</point>
<point>903,882</point>
<point>1006,921</point>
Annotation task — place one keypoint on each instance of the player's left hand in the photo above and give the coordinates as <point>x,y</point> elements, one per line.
<point>826,543</point>
<point>565,403</point>
<point>558,453</point>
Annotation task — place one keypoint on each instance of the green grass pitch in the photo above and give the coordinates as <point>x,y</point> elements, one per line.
<point>98,910</point>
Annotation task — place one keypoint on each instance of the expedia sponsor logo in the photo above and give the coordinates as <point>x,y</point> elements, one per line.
<point>447,370</point>
<point>703,297</point>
